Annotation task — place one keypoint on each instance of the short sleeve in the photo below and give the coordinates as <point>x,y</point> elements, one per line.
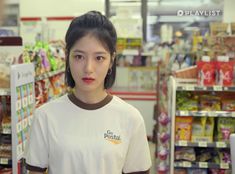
<point>36,153</point>
<point>138,156</point>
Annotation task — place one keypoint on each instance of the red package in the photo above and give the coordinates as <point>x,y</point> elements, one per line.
<point>206,73</point>
<point>225,73</point>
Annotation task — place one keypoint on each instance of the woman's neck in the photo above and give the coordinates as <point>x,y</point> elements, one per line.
<point>90,97</point>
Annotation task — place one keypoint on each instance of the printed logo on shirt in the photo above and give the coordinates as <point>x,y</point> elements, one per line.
<point>111,137</point>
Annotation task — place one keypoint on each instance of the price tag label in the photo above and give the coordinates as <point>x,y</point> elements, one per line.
<point>187,164</point>
<point>183,143</point>
<point>221,144</point>
<point>203,165</point>
<point>4,161</point>
<point>218,88</point>
<point>233,114</point>
<point>184,113</point>
<point>202,144</point>
<point>225,88</point>
<point>190,88</point>
<point>224,166</point>
<point>213,113</point>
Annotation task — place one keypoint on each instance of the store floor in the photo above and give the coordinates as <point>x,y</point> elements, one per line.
<point>152,151</point>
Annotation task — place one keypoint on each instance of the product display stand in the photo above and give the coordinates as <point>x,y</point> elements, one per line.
<point>22,108</point>
<point>179,85</point>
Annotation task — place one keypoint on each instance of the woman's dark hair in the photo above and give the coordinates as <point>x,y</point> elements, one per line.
<point>98,25</point>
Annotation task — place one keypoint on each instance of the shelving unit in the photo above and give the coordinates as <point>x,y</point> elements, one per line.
<point>177,85</point>
<point>48,75</point>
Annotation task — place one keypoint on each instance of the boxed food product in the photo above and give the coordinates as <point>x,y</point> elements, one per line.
<point>183,128</point>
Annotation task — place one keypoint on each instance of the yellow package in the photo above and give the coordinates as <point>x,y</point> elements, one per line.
<point>183,128</point>
<point>210,124</point>
<point>198,129</point>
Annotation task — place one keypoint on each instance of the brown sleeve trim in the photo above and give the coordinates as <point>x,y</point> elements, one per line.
<point>139,172</point>
<point>35,169</point>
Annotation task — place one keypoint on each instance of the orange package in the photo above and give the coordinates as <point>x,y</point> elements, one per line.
<point>183,128</point>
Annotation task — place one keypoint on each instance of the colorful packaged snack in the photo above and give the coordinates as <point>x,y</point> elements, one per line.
<point>209,129</point>
<point>183,128</point>
<point>228,105</point>
<point>185,153</point>
<point>225,127</point>
<point>206,73</point>
<point>180,171</point>
<point>210,103</point>
<point>197,171</point>
<point>225,73</point>
<point>198,129</point>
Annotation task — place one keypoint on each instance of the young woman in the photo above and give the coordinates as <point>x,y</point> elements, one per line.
<point>89,131</point>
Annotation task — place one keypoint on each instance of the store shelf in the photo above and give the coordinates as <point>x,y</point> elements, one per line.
<point>4,91</point>
<point>49,74</point>
<point>202,144</point>
<point>5,161</point>
<point>206,113</point>
<point>204,88</point>
<point>186,164</point>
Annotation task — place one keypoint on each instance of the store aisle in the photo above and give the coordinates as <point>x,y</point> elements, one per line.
<point>152,151</point>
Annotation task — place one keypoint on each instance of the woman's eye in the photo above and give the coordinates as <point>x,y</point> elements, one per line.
<point>79,57</point>
<point>100,58</point>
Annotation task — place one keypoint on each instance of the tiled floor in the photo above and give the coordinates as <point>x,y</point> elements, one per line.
<point>152,151</point>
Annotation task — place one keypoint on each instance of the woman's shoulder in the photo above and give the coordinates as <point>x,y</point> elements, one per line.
<point>54,103</point>
<point>124,107</point>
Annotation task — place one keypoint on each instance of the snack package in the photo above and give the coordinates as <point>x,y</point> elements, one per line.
<point>197,171</point>
<point>225,127</point>
<point>219,171</point>
<point>198,129</point>
<point>206,73</point>
<point>180,171</point>
<point>186,101</point>
<point>209,129</point>
<point>183,128</point>
<point>210,103</point>
<point>204,155</point>
<point>224,155</point>
<point>228,105</point>
<point>225,73</point>
<point>185,153</point>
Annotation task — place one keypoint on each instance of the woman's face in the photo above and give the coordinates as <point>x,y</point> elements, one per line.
<point>89,63</point>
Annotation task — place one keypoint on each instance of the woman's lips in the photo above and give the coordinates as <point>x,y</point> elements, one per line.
<point>87,80</point>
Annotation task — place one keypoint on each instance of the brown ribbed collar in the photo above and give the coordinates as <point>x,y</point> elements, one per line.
<point>87,106</point>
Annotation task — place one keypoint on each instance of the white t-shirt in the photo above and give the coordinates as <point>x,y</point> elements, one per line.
<point>71,137</point>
